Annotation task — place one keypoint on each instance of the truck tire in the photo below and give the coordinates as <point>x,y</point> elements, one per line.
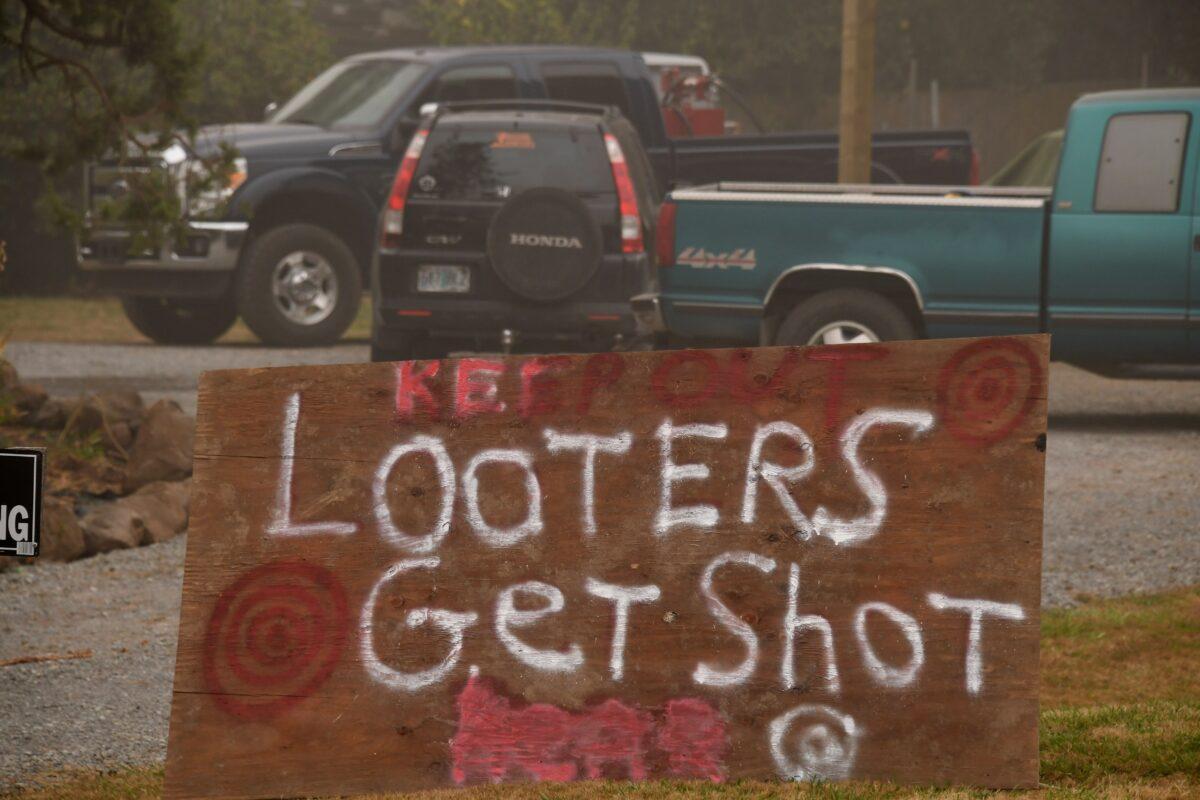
<point>545,244</point>
<point>844,316</point>
<point>299,285</point>
<point>170,321</point>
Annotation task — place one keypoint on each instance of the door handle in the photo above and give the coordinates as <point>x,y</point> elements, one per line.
<point>1196,243</point>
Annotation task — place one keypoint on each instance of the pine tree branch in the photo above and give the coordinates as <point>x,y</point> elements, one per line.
<point>35,10</point>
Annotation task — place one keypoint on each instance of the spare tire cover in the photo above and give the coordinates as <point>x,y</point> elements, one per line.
<point>544,244</point>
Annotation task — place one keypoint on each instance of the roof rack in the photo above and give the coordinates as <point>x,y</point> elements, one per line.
<point>522,105</point>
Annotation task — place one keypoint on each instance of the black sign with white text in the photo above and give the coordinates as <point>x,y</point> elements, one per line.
<point>20,501</point>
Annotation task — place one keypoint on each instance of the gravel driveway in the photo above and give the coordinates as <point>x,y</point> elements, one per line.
<point>1122,516</point>
<point>156,371</point>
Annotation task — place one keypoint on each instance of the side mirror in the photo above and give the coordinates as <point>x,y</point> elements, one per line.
<point>269,109</point>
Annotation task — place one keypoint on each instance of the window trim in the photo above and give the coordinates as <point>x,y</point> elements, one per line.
<point>1183,160</point>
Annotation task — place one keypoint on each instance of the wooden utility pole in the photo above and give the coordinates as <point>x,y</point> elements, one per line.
<point>858,91</point>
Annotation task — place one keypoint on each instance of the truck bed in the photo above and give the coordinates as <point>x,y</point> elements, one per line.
<point>903,157</point>
<point>972,254</point>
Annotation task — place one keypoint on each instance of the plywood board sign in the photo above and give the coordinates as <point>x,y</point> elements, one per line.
<point>792,563</point>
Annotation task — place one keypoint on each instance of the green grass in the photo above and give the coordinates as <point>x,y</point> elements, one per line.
<point>1148,648</point>
<point>134,784</point>
<point>1121,719</point>
<point>1144,740</point>
<point>101,320</point>
<point>147,784</point>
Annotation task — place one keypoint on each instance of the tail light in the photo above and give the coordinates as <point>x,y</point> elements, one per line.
<point>393,212</point>
<point>974,176</point>
<point>664,235</point>
<point>631,221</point>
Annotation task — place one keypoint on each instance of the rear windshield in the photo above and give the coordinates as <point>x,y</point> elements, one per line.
<point>462,162</point>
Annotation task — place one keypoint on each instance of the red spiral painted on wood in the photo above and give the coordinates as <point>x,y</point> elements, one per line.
<point>274,637</point>
<point>987,388</point>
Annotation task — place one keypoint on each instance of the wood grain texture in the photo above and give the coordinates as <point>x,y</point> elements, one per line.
<point>302,650</point>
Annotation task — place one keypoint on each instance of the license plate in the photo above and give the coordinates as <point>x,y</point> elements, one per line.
<point>443,278</point>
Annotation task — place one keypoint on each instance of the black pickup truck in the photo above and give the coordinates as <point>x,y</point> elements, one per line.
<point>288,243</point>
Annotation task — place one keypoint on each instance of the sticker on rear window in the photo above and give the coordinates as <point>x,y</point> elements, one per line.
<point>513,139</point>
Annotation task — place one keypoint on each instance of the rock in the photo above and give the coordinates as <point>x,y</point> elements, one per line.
<point>28,397</point>
<point>162,450</point>
<point>15,396</point>
<point>122,436</point>
<point>8,376</point>
<point>62,537</point>
<point>88,414</point>
<point>154,513</point>
<point>53,414</point>
<point>84,417</point>
<point>162,507</point>
<point>112,526</point>
<point>122,407</point>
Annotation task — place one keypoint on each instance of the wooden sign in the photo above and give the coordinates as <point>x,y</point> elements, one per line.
<point>800,563</point>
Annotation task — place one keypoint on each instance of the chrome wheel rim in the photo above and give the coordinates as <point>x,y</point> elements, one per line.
<point>304,287</point>
<point>844,332</point>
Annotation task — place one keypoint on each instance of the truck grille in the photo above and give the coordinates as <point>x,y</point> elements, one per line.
<point>108,181</point>
<point>109,249</point>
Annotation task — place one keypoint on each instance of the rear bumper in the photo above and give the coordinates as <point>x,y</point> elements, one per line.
<point>598,313</point>
<point>443,317</point>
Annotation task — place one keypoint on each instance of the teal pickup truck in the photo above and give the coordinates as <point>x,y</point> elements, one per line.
<point>1108,260</point>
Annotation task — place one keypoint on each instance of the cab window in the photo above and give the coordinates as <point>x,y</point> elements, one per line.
<point>492,82</point>
<point>598,83</point>
<point>1141,163</point>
